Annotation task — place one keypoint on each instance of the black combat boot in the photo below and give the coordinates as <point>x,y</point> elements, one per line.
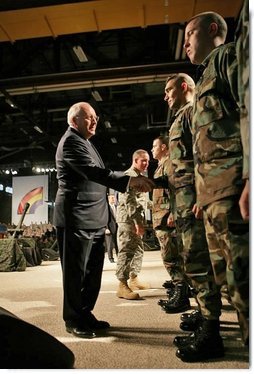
<point>191,292</point>
<point>168,284</point>
<point>179,301</point>
<point>170,292</point>
<point>184,340</point>
<point>191,321</point>
<point>207,343</point>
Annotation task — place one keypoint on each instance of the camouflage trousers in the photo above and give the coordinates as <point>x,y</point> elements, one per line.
<point>197,263</point>
<point>130,252</point>
<point>170,247</point>
<point>228,241</point>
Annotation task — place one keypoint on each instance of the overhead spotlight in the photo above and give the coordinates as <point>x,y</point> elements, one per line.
<point>10,102</point>
<point>119,155</point>
<point>107,124</point>
<point>114,140</point>
<point>179,44</point>
<point>78,50</point>
<point>37,128</point>
<point>8,189</point>
<point>24,131</point>
<point>96,95</point>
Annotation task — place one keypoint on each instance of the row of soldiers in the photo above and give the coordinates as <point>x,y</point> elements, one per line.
<point>208,171</point>
<point>204,164</point>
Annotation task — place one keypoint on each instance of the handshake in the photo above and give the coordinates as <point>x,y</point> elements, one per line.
<point>141,184</point>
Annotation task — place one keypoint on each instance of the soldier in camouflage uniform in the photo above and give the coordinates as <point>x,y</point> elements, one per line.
<point>179,93</point>
<point>218,160</point>
<point>130,218</point>
<point>165,231</point>
<point>242,54</point>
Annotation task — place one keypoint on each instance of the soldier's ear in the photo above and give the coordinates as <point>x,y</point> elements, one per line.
<point>213,29</point>
<point>184,86</point>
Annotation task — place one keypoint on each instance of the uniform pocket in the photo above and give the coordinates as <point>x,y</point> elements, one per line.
<point>176,147</point>
<point>208,105</point>
<point>217,133</point>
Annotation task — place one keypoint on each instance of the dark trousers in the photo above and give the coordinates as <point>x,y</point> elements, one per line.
<point>111,244</point>
<point>82,258</point>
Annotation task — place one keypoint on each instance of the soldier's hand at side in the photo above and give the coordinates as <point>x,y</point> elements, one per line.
<point>139,230</point>
<point>141,184</point>
<point>244,202</point>
<point>197,211</point>
<point>170,220</point>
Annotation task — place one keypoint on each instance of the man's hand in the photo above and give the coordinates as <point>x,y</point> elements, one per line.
<point>141,183</point>
<point>139,230</point>
<point>197,211</point>
<point>170,220</point>
<point>244,201</point>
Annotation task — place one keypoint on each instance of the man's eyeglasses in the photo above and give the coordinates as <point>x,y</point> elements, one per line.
<point>92,118</point>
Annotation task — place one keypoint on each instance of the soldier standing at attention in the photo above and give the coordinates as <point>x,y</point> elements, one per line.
<point>242,54</point>
<point>179,94</point>
<point>165,231</point>
<point>218,159</point>
<point>130,218</point>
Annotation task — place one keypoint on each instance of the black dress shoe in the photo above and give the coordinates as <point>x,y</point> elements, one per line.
<point>81,332</point>
<point>94,323</point>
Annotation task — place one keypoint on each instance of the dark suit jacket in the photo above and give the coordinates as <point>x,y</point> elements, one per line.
<point>81,199</point>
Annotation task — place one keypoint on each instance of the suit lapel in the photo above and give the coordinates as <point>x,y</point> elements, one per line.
<point>93,151</point>
<point>96,154</point>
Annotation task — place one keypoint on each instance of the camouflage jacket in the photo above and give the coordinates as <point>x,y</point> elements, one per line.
<point>180,148</point>
<point>131,204</point>
<point>216,128</point>
<point>161,196</point>
<point>242,53</point>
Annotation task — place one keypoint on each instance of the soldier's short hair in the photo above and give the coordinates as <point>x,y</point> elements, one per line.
<point>206,18</point>
<point>163,139</point>
<point>180,78</point>
<point>139,153</point>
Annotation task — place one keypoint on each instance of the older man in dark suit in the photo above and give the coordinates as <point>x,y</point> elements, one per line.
<point>81,214</point>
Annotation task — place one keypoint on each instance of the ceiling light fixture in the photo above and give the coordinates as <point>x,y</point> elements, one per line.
<point>54,87</point>
<point>114,140</point>
<point>11,103</point>
<point>78,50</point>
<point>96,95</point>
<point>37,128</point>
<point>179,44</point>
<point>107,124</point>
